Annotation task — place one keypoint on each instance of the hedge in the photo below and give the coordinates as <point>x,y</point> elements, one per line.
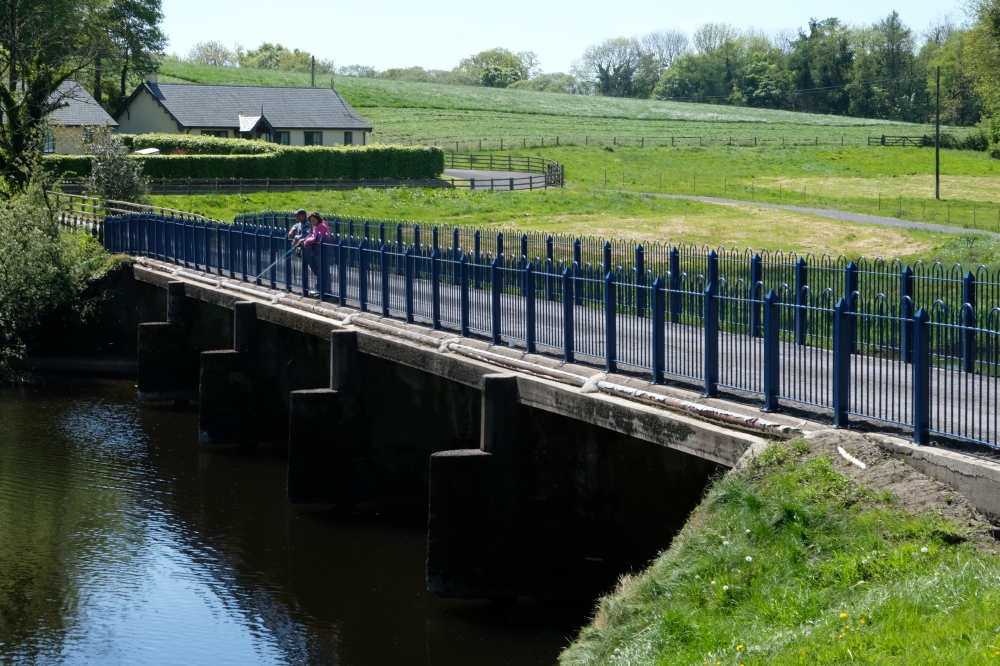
<point>192,144</point>
<point>348,163</point>
<point>67,166</point>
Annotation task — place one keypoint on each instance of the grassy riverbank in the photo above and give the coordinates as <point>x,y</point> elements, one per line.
<point>619,215</point>
<point>803,558</point>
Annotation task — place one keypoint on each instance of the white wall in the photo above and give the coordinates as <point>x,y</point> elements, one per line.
<point>297,137</point>
<point>145,115</point>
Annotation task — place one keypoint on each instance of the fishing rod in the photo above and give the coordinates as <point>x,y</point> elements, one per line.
<point>290,250</point>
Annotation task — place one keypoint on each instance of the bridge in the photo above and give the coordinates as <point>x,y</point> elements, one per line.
<point>525,397</point>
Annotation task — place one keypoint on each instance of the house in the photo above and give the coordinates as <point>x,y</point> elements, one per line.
<point>70,123</point>
<point>289,116</point>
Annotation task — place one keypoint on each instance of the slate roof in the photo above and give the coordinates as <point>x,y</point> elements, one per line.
<point>80,108</point>
<point>207,105</point>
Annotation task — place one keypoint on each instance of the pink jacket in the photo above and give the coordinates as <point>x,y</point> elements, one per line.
<point>320,231</point>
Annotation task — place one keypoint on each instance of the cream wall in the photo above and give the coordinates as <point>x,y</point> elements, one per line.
<point>330,137</point>
<point>146,116</point>
<point>69,140</point>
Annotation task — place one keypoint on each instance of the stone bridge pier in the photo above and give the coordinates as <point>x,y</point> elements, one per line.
<point>533,487</point>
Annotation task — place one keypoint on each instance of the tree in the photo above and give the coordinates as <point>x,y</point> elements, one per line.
<point>276,56</point>
<point>358,71</point>
<point>960,103</point>
<point>665,46</point>
<point>556,82</point>
<point>133,27</point>
<point>42,44</point>
<point>127,42</point>
<point>499,67</point>
<point>887,80</point>
<point>712,36</point>
<point>612,66</point>
<point>212,53</point>
<point>820,62</point>
<point>982,54</point>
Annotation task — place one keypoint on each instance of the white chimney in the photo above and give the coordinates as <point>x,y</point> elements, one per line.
<point>150,77</point>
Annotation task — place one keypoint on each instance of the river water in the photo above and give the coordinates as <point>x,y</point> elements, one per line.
<point>124,542</point>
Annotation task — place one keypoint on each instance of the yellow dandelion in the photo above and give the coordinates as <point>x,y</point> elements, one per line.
<point>843,615</point>
<point>862,620</point>
<point>739,647</point>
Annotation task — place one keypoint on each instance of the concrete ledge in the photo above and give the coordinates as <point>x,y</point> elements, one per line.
<point>978,479</point>
<point>670,429</point>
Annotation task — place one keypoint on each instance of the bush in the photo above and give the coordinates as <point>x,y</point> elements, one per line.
<point>368,162</point>
<point>67,166</point>
<point>199,144</point>
<point>113,174</point>
<point>41,271</point>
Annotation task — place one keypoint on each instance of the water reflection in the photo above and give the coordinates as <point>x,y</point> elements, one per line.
<point>123,542</point>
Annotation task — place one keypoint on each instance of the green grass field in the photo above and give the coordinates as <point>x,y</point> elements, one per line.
<point>852,177</point>
<point>892,182</point>
<point>403,112</point>
<point>794,562</point>
<point>614,214</point>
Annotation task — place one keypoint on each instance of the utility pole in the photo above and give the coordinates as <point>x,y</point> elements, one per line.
<point>937,139</point>
<point>314,71</point>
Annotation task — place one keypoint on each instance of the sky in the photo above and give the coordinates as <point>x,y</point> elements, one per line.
<point>402,33</point>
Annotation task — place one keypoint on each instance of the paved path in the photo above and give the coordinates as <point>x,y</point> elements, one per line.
<point>500,179</point>
<point>841,215</point>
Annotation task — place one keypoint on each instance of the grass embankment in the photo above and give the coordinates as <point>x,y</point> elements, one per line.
<point>403,112</point>
<point>798,560</point>
<point>614,214</point>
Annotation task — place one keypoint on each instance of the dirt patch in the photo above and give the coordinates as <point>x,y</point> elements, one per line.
<point>910,490</point>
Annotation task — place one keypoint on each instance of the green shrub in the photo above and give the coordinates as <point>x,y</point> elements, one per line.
<point>977,139</point>
<point>42,269</point>
<point>372,162</point>
<point>113,174</point>
<point>347,163</point>
<point>67,166</point>
<point>199,144</point>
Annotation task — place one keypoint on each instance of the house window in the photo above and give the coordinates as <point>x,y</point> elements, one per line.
<point>348,138</point>
<point>283,138</point>
<point>50,142</point>
<point>222,134</point>
<point>314,138</point>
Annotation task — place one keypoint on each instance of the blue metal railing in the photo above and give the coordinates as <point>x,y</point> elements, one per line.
<point>912,346</point>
